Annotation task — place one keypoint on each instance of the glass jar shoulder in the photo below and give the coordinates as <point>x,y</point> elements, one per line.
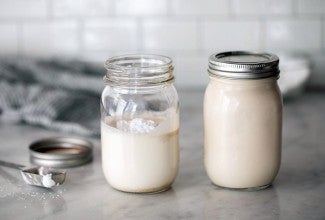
<point>228,93</point>
<point>138,100</point>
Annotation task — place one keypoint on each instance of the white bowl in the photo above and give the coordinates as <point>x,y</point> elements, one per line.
<point>294,74</point>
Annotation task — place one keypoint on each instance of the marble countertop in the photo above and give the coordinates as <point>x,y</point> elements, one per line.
<point>297,193</point>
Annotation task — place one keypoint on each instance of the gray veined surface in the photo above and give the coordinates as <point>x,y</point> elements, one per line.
<point>297,192</point>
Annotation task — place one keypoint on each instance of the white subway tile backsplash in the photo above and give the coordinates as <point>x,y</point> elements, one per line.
<point>293,35</point>
<point>110,34</point>
<point>8,39</point>
<point>23,9</point>
<point>261,7</point>
<point>141,7</point>
<point>50,38</point>
<point>187,31</point>
<point>318,70</point>
<point>191,70</point>
<point>231,35</point>
<point>98,57</point>
<point>81,8</point>
<point>323,34</point>
<point>170,35</point>
<point>206,7</point>
<point>311,6</point>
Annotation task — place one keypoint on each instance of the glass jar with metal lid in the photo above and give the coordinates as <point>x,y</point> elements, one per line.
<point>242,120</point>
<point>140,123</point>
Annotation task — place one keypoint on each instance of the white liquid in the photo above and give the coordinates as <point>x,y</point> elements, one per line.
<point>242,123</point>
<point>140,162</point>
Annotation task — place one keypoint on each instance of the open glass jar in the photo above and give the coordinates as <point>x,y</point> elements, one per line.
<point>242,120</point>
<point>140,123</point>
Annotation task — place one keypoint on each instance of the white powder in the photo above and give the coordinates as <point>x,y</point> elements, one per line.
<point>48,181</point>
<point>136,125</point>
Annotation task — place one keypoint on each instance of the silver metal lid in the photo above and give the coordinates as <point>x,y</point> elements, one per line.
<point>244,65</point>
<point>60,152</point>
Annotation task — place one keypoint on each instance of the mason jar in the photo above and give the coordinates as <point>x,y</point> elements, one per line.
<point>242,120</point>
<point>140,123</point>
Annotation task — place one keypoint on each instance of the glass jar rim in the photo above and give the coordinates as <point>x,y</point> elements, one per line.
<point>138,69</point>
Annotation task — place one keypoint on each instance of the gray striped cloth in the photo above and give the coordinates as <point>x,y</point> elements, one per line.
<point>55,94</point>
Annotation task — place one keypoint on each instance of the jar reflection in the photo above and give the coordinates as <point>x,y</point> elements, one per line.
<point>134,206</point>
<point>234,204</point>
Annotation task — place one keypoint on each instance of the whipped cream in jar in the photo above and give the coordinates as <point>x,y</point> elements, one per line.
<point>139,124</point>
<point>242,120</point>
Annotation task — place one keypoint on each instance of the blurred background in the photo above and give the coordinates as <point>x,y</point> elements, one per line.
<point>187,31</point>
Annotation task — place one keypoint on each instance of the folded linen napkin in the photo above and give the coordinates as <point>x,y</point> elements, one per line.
<point>56,94</point>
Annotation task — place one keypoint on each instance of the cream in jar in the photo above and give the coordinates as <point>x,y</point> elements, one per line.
<point>242,120</point>
<point>140,154</point>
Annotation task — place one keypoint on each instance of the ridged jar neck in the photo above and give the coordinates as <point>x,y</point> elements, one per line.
<point>139,70</point>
